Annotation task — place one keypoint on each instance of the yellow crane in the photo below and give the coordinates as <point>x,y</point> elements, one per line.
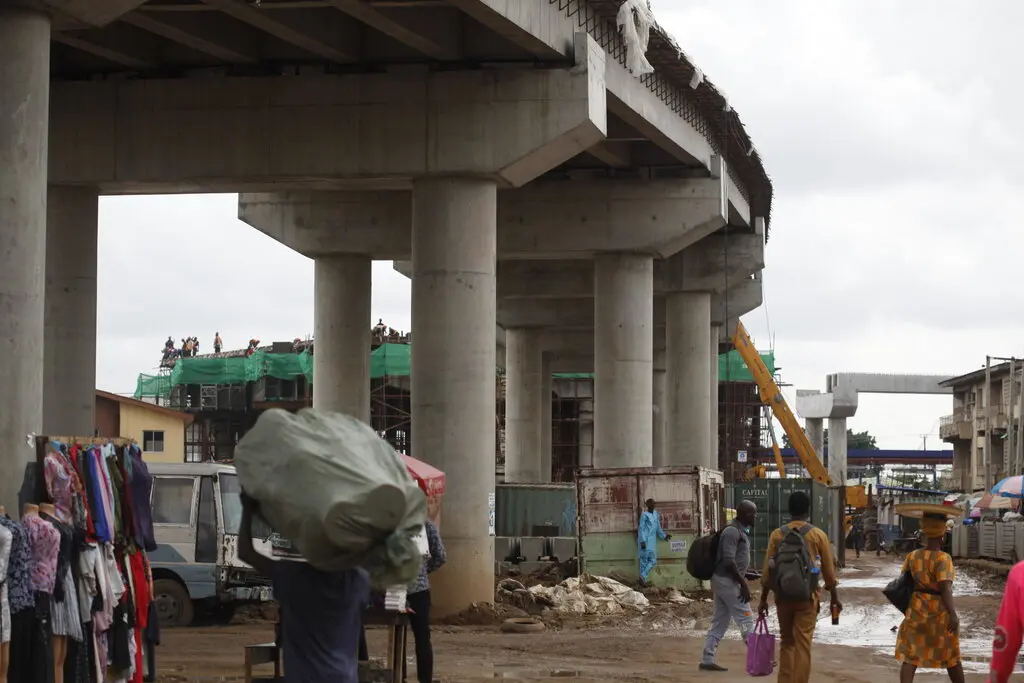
<point>772,397</point>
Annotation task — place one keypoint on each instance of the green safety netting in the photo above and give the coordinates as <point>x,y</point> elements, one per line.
<point>387,360</point>
<point>731,368</point>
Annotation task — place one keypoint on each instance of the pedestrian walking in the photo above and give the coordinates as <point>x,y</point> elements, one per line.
<point>648,535</point>
<point>799,557</point>
<point>732,594</point>
<point>929,636</point>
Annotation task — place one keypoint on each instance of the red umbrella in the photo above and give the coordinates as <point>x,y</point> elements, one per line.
<point>429,478</point>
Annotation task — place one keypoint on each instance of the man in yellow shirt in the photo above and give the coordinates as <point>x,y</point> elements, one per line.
<point>799,557</point>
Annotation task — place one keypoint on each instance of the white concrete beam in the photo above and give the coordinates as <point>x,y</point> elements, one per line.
<point>86,13</point>
<point>423,39</point>
<point>195,35</point>
<point>316,40</point>
<point>545,29</point>
<point>509,125</point>
<point>841,397</point>
<point>548,220</point>
<point>115,55</point>
<point>712,264</point>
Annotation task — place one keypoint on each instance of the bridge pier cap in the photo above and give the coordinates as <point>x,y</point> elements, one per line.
<point>843,390</point>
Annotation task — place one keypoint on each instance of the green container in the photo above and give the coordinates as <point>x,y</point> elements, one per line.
<point>772,499</point>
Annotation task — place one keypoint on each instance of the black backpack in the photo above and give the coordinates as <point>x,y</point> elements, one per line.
<point>703,557</point>
<point>793,575</point>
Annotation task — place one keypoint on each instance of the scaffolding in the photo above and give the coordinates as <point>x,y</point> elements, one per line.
<point>742,429</point>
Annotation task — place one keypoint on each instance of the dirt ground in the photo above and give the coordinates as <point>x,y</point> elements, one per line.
<point>663,644</point>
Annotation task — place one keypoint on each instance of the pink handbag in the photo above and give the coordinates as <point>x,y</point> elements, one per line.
<point>760,650</point>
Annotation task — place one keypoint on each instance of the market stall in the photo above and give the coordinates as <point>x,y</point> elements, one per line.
<point>79,583</point>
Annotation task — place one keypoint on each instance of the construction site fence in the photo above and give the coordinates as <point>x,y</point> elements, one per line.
<point>989,540</point>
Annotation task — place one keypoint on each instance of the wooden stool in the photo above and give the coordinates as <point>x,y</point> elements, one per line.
<point>257,655</point>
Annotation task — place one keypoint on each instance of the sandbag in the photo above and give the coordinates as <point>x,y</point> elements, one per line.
<point>336,490</point>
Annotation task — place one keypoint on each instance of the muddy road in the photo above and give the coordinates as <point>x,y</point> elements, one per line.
<point>662,645</point>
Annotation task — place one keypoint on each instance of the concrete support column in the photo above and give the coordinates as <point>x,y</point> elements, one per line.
<point>716,456</point>
<point>660,449</point>
<point>341,331</point>
<point>454,246</point>
<point>837,449</point>
<point>687,339</point>
<point>545,420</point>
<point>623,360</point>
<point>814,427</point>
<point>69,339</point>
<point>24,124</point>
<point>523,407</point>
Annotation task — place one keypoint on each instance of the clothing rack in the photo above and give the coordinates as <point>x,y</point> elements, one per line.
<point>43,442</point>
<point>111,622</point>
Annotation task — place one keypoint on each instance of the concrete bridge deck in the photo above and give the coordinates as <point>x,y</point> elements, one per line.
<point>595,195</point>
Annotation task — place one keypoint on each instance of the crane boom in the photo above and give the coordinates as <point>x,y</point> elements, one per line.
<point>772,397</point>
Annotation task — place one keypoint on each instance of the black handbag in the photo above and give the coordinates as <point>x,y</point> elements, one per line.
<point>900,590</point>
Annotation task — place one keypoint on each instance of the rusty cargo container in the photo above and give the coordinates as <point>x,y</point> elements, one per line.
<point>690,501</point>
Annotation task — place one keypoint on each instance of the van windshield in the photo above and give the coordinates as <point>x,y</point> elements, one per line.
<point>231,505</point>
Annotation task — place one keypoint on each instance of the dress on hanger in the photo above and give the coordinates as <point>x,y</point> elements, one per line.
<point>58,485</point>
<point>64,614</point>
<point>19,590</point>
<point>44,544</point>
<point>6,540</point>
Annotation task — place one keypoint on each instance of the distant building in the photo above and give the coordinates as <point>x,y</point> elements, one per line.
<point>977,419</point>
<point>159,431</point>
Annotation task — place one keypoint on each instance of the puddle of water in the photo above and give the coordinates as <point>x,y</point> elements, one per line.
<point>872,627</point>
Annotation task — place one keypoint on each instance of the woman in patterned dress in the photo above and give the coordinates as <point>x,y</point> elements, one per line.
<point>929,635</point>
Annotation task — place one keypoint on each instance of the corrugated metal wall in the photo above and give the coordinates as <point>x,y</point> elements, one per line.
<point>772,499</point>
<point>520,507</point>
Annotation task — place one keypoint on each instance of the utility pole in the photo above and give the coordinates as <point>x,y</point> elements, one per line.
<point>987,402</point>
<point>1010,449</point>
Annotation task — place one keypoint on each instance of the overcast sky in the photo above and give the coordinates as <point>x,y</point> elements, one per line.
<point>888,128</point>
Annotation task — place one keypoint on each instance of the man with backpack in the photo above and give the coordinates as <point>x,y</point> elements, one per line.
<point>732,594</point>
<point>799,557</point>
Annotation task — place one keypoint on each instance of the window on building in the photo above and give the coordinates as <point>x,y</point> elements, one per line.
<point>152,442</point>
<point>172,500</point>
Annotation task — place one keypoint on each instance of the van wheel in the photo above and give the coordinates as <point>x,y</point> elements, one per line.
<point>173,605</point>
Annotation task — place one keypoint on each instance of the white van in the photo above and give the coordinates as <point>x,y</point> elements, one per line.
<point>196,515</point>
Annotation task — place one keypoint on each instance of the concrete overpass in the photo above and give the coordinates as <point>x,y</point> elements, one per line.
<point>839,402</point>
<point>473,138</point>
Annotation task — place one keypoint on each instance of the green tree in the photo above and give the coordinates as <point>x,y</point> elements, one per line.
<point>859,441</point>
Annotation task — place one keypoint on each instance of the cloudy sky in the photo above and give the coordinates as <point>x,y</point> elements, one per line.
<point>887,127</point>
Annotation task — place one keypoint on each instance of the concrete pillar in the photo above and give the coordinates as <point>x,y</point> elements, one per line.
<point>454,245</point>
<point>716,456</point>
<point>687,339</point>
<point>69,339</point>
<point>814,427</point>
<point>24,123</point>
<point>523,407</point>
<point>585,437</point>
<point>837,449</point>
<point>660,448</point>
<point>623,360</point>
<point>341,333</point>
<point>545,420</point>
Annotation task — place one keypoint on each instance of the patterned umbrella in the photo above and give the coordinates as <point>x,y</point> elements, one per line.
<point>1011,487</point>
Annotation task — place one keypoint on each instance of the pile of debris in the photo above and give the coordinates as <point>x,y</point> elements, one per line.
<point>584,595</point>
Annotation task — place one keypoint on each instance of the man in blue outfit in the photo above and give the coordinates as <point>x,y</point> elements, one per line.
<point>648,536</point>
<point>321,612</point>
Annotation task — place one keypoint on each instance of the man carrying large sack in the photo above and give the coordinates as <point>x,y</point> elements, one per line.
<point>321,612</point>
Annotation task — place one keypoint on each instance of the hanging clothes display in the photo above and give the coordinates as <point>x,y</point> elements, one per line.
<point>77,586</point>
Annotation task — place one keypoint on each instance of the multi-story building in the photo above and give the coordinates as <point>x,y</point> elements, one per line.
<point>984,426</point>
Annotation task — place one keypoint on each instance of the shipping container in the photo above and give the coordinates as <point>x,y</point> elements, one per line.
<point>772,499</point>
<point>519,508</point>
<point>690,501</point>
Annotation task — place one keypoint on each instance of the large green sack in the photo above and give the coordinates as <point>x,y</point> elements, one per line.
<point>336,490</point>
